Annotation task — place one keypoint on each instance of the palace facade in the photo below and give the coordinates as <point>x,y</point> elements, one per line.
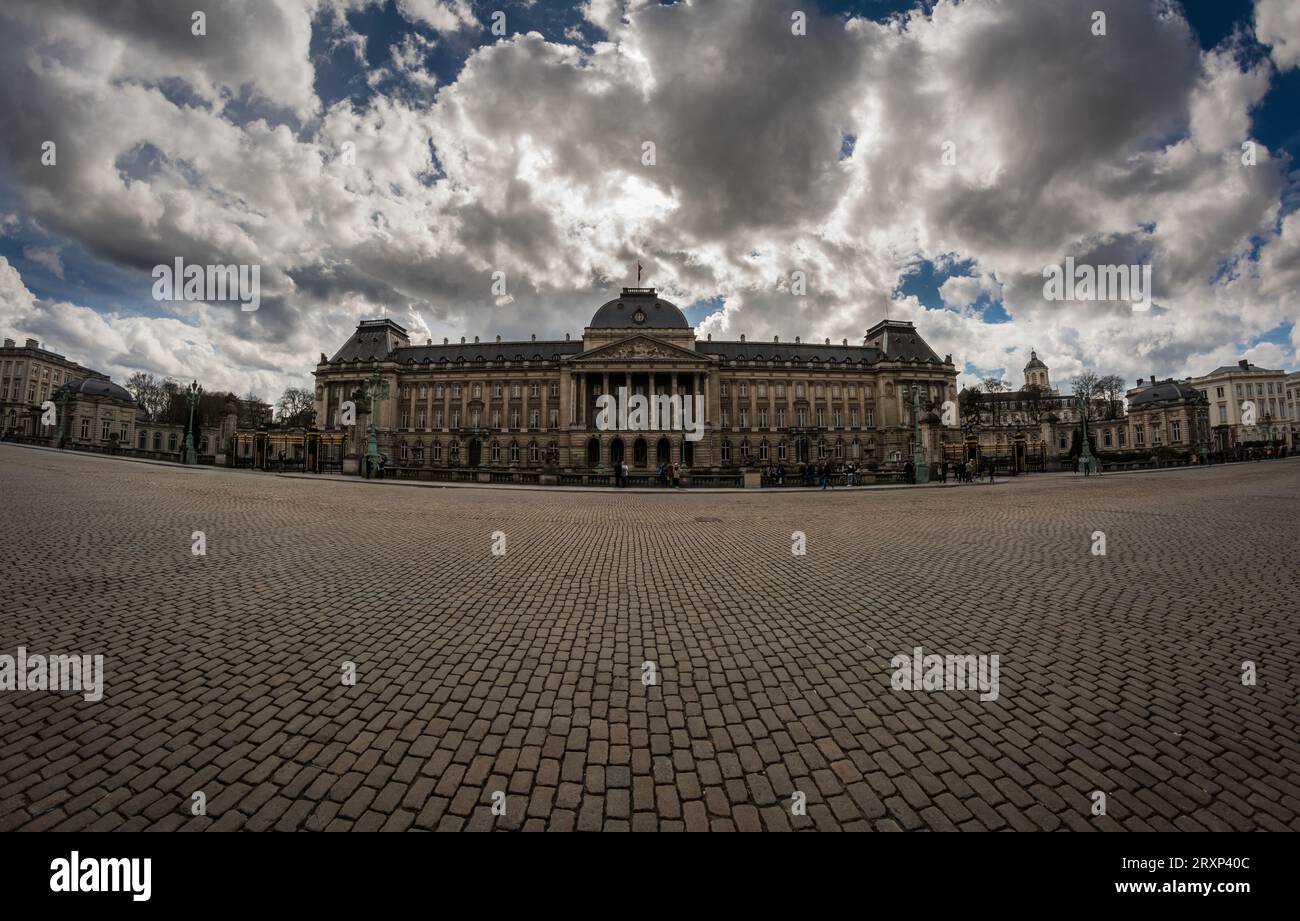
<point>531,406</point>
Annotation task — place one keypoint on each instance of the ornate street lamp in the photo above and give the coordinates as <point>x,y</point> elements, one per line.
<point>378,389</point>
<point>63,397</point>
<point>192,398</point>
<point>1086,460</point>
<point>922,474</point>
<point>1203,421</point>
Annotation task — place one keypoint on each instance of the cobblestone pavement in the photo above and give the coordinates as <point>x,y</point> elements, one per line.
<point>522,673</point>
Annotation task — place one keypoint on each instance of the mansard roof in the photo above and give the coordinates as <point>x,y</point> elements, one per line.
<point>788,351</point>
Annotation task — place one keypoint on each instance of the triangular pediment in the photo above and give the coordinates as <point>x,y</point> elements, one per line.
<point>639,348</point>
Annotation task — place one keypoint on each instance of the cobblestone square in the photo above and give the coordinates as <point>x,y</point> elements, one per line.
<point>522,674</point>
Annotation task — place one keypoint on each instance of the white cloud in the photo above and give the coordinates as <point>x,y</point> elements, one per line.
<point>1277,23</point>
<point>531,163</point>
<point>47,256</point>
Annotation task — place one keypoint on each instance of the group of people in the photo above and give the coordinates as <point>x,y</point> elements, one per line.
<point>822,474</point>
<point>966,471</point>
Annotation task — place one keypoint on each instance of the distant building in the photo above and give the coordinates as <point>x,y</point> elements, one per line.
<point>514,408</point>
<point>29,376</point>
<point>1248,406</point>
<point>1167,416</point>
<point>92,412</point>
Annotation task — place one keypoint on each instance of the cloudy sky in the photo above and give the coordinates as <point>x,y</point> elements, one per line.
<point>391,155</point>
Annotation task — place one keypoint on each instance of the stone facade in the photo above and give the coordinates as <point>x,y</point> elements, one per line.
<point>533,405</point>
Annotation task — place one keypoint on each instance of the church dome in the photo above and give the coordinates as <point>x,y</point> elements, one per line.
<point>1034,361</point>
<point>639,307</point>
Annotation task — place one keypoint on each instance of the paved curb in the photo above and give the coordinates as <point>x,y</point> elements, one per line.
<point>656,491</point>
<point>132,460</point>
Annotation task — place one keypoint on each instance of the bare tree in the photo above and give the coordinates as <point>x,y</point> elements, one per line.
<point>1085,385</point>
<point>1035,401</point>
<point>296,406</point>
<point>148,393</point>
<point>1112,388</point>
<point>971,402</point>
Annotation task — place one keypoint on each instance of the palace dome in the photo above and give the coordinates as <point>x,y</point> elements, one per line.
<point>639,307</point>
<point>97,387</point>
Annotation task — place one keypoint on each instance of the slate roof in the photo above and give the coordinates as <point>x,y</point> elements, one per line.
<point>788,351</point>
<point>657,313</point>
<point>1165,390</point>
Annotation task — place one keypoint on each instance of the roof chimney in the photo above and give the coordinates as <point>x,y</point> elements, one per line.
<point>1140,382</point>
<point>9,343</point>
<point>1245,365</point>
<point>1153,378</point>
<point>33,344</point>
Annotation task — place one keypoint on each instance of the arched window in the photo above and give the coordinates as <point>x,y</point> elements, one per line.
<point>534,455</point>
<point>496,452</point>
<point>744,451</point>
<point>639,452</point>
<point>763,451</point>
<point>143,440</point>
<point>436,452</point>
<point>157,441</point>
<point>726,452</point>
<point>514,452</point>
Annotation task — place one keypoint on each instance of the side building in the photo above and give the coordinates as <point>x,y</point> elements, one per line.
<point>511,410</point>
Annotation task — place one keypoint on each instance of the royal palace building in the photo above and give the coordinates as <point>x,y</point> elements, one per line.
<point>528,407</point>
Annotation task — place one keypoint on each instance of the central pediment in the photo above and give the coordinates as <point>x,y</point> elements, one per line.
<point>639,348</point>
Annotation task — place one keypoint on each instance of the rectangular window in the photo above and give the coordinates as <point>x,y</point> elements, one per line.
<point>726,419</point>
<point>762,418</point>
<point>103,433</point>
<point>533,417</point>
<point>722,389</point>
<point>514,418</point>
<point>455,391</point>
<point>871,418</point>
<point>762,391</point>
<point>455,419</point>
<point>744,418</point>
<point>555,418</point>
<point>744,390</point>
<point>780,418</point>
<point>1107,438</point>
<point>496,418</point>
<point>85,429</point>
<point>780,391</point>
<point>496,391</point>
<point>514,391</point>
<point>1123,438</point>
<point>1223,413</point>
<point>1139,436</point>
<point>535,391</point>
<point>1176,432</point>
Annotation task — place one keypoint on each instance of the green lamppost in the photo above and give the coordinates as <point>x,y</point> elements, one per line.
<point>62,400</point>
<point>1203,420</point>
<point>192,398</point>
<point>378,388</point>
<point>1086,460</point>
<point>918,453</point>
